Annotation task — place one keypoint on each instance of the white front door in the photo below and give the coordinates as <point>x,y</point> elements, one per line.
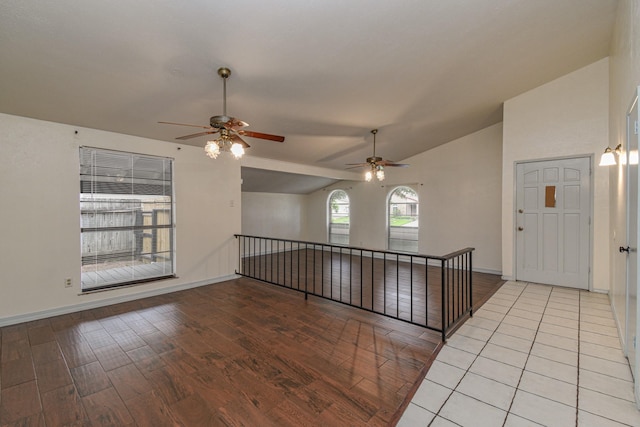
<point>553,204</point>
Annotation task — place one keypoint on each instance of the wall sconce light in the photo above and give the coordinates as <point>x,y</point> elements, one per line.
<point>607,158</point>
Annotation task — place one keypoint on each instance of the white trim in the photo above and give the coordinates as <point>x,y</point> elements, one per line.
<point>621,337</point>
<point>12,320</point>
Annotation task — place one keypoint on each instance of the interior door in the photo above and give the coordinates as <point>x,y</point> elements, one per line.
<point>553,205</point>
<point>631,158</point>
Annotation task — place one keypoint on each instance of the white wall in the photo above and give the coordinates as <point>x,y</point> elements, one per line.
<point>273,215</point>
<point>40,216</point>
<point>625,78</point>
<point>458,186</point>
<point>317,210</point>
<point>565,117</point>
<point>282,215</point>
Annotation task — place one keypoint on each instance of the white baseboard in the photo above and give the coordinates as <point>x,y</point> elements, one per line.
<point>487,270</point>
<point>617,320</point>
<point>12,320</point>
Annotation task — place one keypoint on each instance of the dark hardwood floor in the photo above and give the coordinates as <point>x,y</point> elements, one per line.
<point>234,353</point>
<point>391,286</point>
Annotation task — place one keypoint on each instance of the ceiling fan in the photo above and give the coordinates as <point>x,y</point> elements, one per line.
<point>375,164</point>
<point>230,129</point>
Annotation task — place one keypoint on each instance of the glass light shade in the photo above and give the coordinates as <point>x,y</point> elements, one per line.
<point>368,176</point>
<point>633,157</point>
<point>380,175</point>
<point>607,159</point>
<point>622,157</point>
<point>212,149</point>
<point>237,150</point>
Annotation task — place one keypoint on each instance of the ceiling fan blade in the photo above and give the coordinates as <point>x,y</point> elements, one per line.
<point>357,164</point>
<point>355,167</point>
<point>194,135</point>
<point>392,163</point>
<point>236,138</point>
<point>184,124</point>
<point>261,135</point>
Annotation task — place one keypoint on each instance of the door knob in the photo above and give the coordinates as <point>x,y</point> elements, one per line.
<point>520,211</point>
<point>520,228</point>
<point>623,249</point>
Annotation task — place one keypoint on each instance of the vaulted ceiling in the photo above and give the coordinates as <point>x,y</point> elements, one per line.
<point>321,73</point>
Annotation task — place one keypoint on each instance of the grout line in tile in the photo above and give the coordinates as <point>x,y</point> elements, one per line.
<point>526,361</point>
<point>469,367</point>
<point>578,367</point>
<point>478,400</point>
<point>552,297</point>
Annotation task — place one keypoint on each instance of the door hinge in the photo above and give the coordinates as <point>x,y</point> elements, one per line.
<point>635,127</point>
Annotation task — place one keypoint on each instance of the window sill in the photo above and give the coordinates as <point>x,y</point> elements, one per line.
<point>126,285</point>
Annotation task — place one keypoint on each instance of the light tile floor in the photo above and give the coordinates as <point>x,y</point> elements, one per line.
<point>532,355</point>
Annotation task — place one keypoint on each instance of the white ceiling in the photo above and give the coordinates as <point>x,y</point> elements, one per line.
<point>321,73</point>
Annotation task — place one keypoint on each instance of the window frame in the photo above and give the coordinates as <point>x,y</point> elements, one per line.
<point>392,246</point>
<point>127,218</point>
<point>330,226</point>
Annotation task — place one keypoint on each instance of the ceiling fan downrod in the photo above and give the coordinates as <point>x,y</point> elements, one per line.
<point>373,159</point>
<point>224,73</point>
<point>374,131</point>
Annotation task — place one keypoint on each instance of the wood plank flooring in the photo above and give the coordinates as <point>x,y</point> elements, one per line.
<point>392,286</point>
<point>234,353</point>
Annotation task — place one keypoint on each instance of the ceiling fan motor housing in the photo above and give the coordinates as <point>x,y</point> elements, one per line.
<point>219,122</point>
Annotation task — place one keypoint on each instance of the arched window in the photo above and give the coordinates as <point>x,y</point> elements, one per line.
<point>403,220</point>
<point>339,218</point>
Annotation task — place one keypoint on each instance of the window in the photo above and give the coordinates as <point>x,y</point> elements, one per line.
<point>339,218</point>
<point>403,220</point>
<point>126,218</point>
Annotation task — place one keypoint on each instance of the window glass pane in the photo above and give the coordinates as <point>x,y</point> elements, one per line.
<point>126,218</point>
<point>339,218</point>
<point>403,220</point>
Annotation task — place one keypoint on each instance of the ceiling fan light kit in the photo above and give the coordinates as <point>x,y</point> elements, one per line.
<point>229,128</point>
<point>224,143</point>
